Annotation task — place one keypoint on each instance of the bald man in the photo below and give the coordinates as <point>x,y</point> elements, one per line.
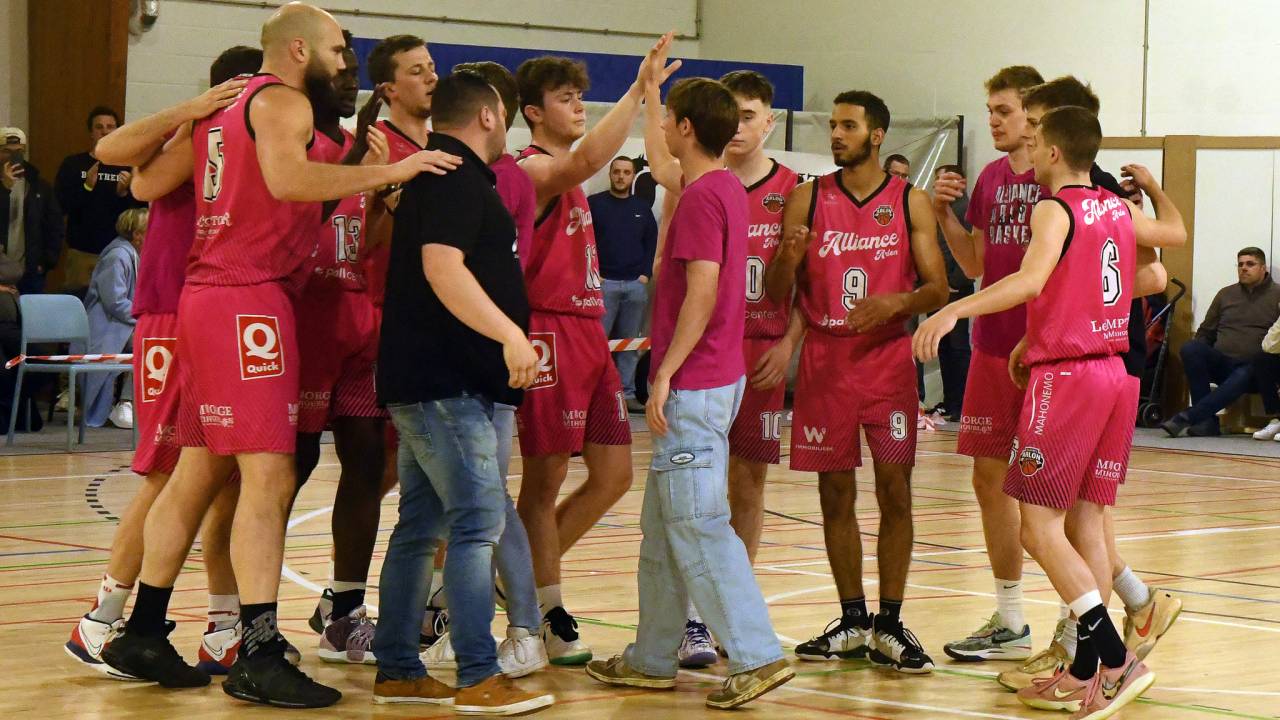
<point>258,198</point>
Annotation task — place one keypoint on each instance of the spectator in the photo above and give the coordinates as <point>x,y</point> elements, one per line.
<point>109,304</point>
<point>1225,346</point>
<point>92,195</point>
<point>31,221</point>
<point>898,165</point>
<point>1266,369</point>
<point>953,352</point>
<point>627,236</point>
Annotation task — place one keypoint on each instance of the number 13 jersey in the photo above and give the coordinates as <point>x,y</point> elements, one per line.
<point>862,248</point>
<point>244,236</point>
<point>1083,310</point>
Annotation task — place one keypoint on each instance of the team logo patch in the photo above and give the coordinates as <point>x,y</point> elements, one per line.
<point>1030,461</point>
<point>545,345</point>
<point>682,458</point>
<point>157,358</point>
<point>883,215</point>
<point>261,354</point>
<point>773,202</point>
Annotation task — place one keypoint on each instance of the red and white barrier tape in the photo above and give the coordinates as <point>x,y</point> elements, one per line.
<point>98,357</point>
<point>628,344</point>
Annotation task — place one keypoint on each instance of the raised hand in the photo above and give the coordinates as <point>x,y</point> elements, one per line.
<point>948,188</point>
<point>379,151</point>
<point>1140,176</point>
<point>794,243</point>
<point>91,177</point>
<point>122,182</point>
<point>654,67</point>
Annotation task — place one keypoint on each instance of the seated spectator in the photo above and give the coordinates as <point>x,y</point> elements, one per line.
<point>1226,345</point>
<point>92,195</point>
<point>109,304</point>
<point>1266,370</point>
<point>899,166</point>
<point>30,220</point>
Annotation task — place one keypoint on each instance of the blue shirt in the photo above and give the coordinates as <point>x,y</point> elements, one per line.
<point>626,235</point>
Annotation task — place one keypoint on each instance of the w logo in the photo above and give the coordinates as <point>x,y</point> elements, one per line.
<point>814,435</point>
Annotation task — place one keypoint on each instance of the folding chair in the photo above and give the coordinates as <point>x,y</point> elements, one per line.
<point>58,319</point>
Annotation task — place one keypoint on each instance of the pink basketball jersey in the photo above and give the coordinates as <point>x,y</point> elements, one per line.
<point>1083,310</point>
<point>162,269</point>
<point>244,236</point>
<point>375,260</point>
<point>862,249</point>
<point>562,274</point>
<point>336,262</point>
<point>765,200</point>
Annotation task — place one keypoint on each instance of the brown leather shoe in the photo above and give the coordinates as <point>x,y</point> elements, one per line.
<point>744,687</point>
<point>424,690</point>
<point>498,695</point>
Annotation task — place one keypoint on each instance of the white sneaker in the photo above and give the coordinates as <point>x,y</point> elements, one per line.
<point>440,655</point>
<point>1270,432</point>
<point>89,638</point>
<point>521,653</point>
<point>122,415</point>
<point>696,648</point>
<point>219,649</point>
<point>560,635</point>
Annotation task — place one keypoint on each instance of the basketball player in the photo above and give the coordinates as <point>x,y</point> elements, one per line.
<point>337,342</point>
<point>256,210</point>
<point>855,242</point>
<point>689,551</point>
<point>1148,614</point>
<point>576,405</point>
<point>772,333</point>
<point>999,212</point>
<point>1077,279</point>
<point>160,279</point>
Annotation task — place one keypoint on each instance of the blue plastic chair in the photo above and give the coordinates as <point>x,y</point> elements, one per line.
<point>58,319</point>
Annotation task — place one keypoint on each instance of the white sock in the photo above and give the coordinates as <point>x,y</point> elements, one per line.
<point>112,596</point>
<point>1009,604</point>
<point>1131,589</point>
<point>330,574</point>
<point>224,611</point>
<point>1085,603</point>
<point>549,597</point>
<point>436,597</point>
<point>1064,612</point>
<point>1068,639</point>
<point>691,613</point>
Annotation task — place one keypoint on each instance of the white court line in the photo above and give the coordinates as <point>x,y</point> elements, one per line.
<point>868,700</point>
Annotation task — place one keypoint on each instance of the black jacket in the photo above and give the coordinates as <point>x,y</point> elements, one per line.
<point>43,219</point>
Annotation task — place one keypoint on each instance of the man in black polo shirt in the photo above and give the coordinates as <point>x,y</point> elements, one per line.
<point>453,343</point>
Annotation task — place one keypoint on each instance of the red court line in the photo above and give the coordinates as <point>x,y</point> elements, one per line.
<point>54,542</point>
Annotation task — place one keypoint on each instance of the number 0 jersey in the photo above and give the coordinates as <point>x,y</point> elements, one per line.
<point>562,273</point>
<point>1083,310</point>
<point>244,236</point>
<point>336,265</point>
<point>862,248</point>
<point>765,200</point>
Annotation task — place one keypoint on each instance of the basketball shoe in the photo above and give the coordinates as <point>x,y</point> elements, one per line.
<point>560,635</point>
<point>349,639</point>
<point>1042,665</point>
<point>993,641</point>
<point>1144,627</point>
<point>152,657</point>
<point>218,650</point>
<point>893,645</point>
<point>270,679</point>
<point>324,607</point>
<point>842,640</point>
<point>89,638</point>
<point>1061,691</point>
<point>696,649</point>
<point>1113,688</point>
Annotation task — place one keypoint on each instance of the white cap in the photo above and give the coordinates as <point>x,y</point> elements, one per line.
<point>12,135</point>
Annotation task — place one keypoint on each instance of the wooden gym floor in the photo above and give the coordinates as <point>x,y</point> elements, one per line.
<point>1205,526</point>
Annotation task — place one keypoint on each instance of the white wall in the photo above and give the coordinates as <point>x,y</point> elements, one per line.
<point>171,61</point>
<point>13,58</point>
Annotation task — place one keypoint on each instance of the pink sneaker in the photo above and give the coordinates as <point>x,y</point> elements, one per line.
<point>1062,691</point>
<point>1112,689</point>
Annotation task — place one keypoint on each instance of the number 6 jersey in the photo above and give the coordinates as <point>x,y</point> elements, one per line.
<point>1083,310</point>
<point>861,249</point>
<point>244,236</point>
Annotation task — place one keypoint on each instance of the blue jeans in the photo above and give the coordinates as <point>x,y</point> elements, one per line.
<point>449,482</point>
<point>689,550</point>
<point>1206,364</point>
<point>624,303</point>
<point>514,560</point>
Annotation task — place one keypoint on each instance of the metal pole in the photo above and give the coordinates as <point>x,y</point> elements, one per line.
<point>1146,58</point>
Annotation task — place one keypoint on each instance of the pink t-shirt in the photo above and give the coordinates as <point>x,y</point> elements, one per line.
<point>521,200</point>
<point>162,271</point>
<point>709,223</point>
<point>1001,208</point>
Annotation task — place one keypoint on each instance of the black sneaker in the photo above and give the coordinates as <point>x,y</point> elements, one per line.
<point>269,679</point>
<point>1176,425</point>
<point>842,640</point>
<point>320,617</point>
<point>152,658</point>
<point>893,645</point>
<point>435,622</point>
